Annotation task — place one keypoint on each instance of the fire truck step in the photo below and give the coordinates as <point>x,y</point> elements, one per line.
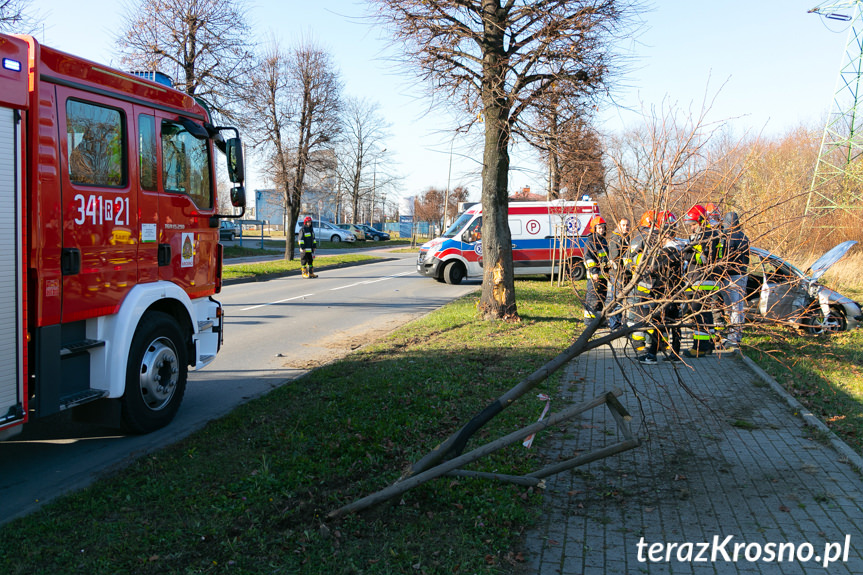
<point>205,325</point>
<point>76,347</point>
<point>82,397</point>
<point>206,358</point>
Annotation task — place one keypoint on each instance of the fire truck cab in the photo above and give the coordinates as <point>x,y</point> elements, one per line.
<point>109,239</point>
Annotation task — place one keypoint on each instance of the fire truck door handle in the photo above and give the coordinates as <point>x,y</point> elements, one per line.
<point>70,261</point>
<point>164,255</point>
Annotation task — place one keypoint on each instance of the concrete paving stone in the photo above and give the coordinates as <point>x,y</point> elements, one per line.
<point>700,472</point>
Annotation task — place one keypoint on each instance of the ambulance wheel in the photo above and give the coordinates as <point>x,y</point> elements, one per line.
<point>453,273</point>
<point>577,271</point>
<point>155,375</point>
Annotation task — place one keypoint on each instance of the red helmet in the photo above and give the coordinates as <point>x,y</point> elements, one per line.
<point>647,219</point>
<point>307,220</point>
<point>595,221</point>
<point>696,213</point>
<point>665,218</point>
<point>713,215</point>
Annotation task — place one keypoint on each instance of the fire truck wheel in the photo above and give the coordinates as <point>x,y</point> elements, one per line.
<point>578,272</point>
<point>156,374</point>
<point>453,273</point>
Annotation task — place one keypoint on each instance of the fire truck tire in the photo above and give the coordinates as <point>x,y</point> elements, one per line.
<point>453,273</point>
<point>155,375</point>
<point>577,271</point>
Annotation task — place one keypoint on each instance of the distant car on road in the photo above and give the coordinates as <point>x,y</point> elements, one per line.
<point>354,229</point>
<point>374,234</point>
<point>780,291</point>
<point>228,230</point>
<point>327,232</point>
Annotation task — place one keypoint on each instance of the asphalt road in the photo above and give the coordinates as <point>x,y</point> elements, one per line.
<point>275,331</point>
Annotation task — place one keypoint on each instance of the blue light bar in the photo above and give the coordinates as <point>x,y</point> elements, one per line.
<point>13,65</point>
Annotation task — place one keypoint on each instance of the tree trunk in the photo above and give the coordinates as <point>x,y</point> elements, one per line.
<point>498,289</point>
<point>293,210</point>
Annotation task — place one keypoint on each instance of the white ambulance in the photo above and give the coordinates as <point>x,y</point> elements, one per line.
<point>538,231</point>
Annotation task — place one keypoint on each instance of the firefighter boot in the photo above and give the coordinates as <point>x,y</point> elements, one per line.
<point>312,273</point>
<point>305,271</point>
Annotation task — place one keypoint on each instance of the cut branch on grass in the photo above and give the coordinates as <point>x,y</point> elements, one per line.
<point>608,398</point>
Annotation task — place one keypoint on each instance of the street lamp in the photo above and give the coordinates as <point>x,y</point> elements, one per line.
<point>374,185</point>
<point>448,174</point>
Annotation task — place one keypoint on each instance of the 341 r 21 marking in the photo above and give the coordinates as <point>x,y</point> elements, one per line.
<point>102,210</point>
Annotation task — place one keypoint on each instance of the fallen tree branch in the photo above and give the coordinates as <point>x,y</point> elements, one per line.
<point>455,443</point>
<point>404,485</point>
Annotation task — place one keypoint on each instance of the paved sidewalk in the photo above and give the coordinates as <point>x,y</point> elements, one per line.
<point>722,454</point>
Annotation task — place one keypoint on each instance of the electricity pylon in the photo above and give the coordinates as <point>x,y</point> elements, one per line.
<point>838,178</point>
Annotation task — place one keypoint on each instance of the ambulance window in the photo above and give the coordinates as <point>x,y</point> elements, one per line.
<point>186,164</point>
<point>147,151</point>
<point>515,227</point>
<point>95,144</point>
<point>457,225</point>
<point>474,231</point>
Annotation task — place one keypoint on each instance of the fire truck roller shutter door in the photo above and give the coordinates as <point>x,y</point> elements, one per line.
<point>10,329</point>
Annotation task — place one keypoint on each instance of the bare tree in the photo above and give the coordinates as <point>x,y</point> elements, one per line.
<point>268,116</point>
<point>315,91</point>
<point>202,44</point>
<point>455,196</point>
<point>363,133</point>
<point>497,59</point>
<point>575,158</point>
<point>293,116</point>
<point>429,206</point>
<point>18,17</point>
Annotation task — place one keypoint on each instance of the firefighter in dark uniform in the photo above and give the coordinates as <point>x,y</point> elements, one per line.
<point>596,263</point>
<point>669,284</point>
<point>308,245</point>
<point>701,255</point>
<point>618,259</point>
<point>641,254</point>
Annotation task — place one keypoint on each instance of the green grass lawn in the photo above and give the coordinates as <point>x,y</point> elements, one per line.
<point>249,493</point>
<point>281,266</point>
<point>824,373</point>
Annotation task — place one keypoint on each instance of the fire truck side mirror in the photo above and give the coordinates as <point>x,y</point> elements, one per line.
<point>234,152</point>
<point>238,197</point>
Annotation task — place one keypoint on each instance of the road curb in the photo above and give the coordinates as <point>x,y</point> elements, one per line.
<point>809,418</point>
<point>296,272</point>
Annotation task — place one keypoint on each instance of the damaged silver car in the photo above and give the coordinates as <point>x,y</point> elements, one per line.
<point>778,290</point>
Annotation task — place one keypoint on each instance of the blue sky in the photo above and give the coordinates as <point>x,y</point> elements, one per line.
<point>766,64</point>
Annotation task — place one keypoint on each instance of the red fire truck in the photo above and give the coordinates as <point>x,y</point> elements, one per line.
<point>109,239</point>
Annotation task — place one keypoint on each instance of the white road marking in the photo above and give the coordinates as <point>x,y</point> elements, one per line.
<point>331,289</point>
<point>366,282</point>
<point>280,301</point>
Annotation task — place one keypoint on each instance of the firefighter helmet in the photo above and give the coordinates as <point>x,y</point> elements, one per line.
<point>696,213</point>
<point>307,220</point>
<point>713,214</point>
<point>665,219</point>
<point>647,220</point>
<point>595,221</point>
